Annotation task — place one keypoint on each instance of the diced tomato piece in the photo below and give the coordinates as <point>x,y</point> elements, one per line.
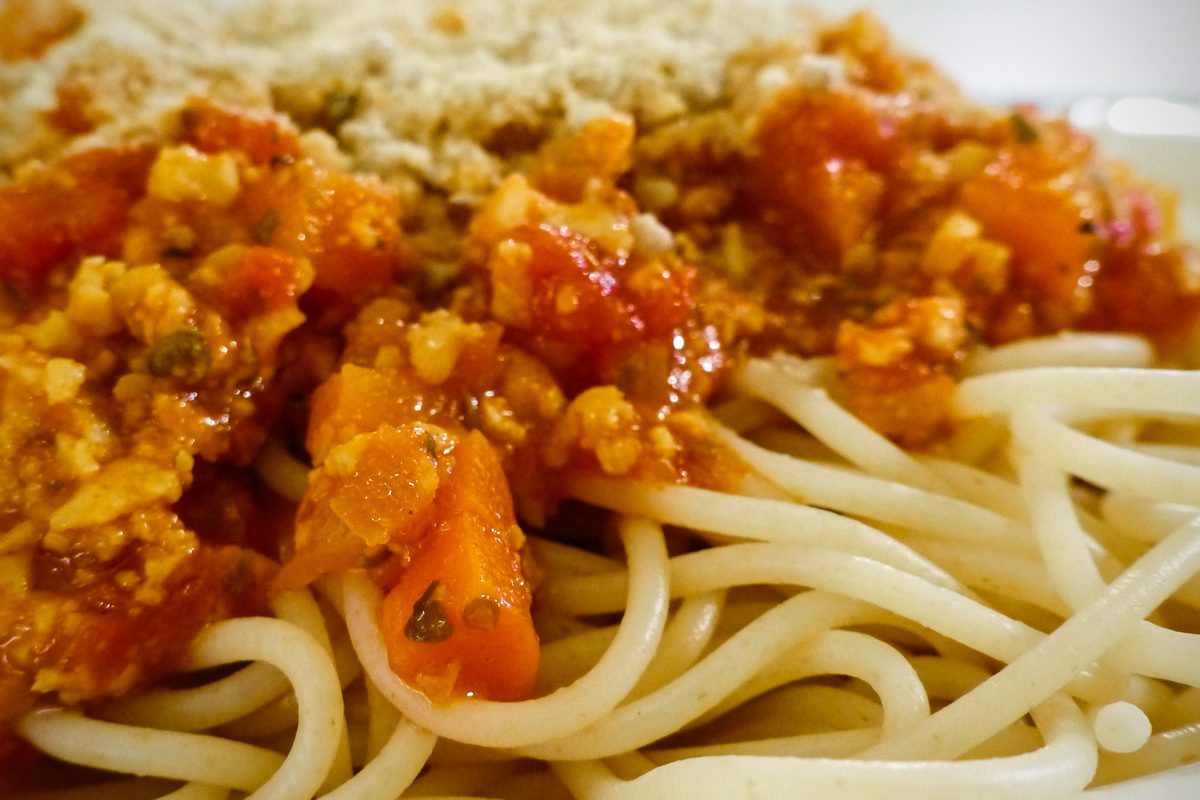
<point>819,170</point>
<point>662,295</point>
<point>600,151</point>
<point>581,309</point>
<point>575,292</point>
<point>348,226</point>
<point>352,235</point>
<point>261,136</point>
<point>1147,290</point>
<point>374,491</point>
<point>457,620</point>
<point>247,282</point>
<point>1044,229</point>
<point>76,207</point>
<point>359,399</point>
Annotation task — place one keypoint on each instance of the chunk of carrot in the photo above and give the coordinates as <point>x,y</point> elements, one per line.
<point>456,618</point>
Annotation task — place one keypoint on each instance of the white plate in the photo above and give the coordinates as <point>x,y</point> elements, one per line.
<point>1178,784</point>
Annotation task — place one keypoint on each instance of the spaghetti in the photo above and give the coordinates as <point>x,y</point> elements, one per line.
<point>844,451</point>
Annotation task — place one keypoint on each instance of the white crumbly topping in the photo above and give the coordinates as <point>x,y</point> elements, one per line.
<point>436,92</point>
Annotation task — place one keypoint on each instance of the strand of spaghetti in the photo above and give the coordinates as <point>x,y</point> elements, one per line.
<point>1146,521</point>
<point>129,749</point>
<point>1165,750</point>
<point>999,495</point>
<point>1160,652</point>
<point>1061,540</point>
<point>750,518</point>
<point>1114,467</point>
<point>799,708</point>
<point>1002,574</point>
<point>565,660</point>
<point>382,719</point>
<point>281,715</point>
<point>1059,769</point>
<point>845,743</point>
<point>828,744</point>
<point>224,700</point>
<point>558,557</point>
<point>281,471</point>
<point>812,409</point>
<point>876,663</point>
<point>685,638</point>
<point>1052,663</point>
<point>390,772</point>
<point>942,610</point>
<point>314,681</point>
<point>197,791</point>
<point>1149,649</point>
<point>202,707</point>
<point>1160,391</point>
<point>459,779</point>
<point>1184,453</point>
<point>1064,350</point>
<point>300,609</point>
<point>852,492</point>
<point>566,710</point>
<point>976,486</point>
<point>720,673</point>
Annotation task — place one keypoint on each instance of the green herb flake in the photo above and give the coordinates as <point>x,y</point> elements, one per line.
<point>265,227</point>
<point>429,623</point>
<point>181,354</point>
<point>431,446</point>
<point>1025,130</point>
<point>482,614</point>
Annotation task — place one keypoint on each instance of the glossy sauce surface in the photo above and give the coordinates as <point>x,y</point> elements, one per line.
<point>169,306</point>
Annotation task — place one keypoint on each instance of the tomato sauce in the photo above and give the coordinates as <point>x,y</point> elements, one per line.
<point>168,306</point>
<point>146,311</point>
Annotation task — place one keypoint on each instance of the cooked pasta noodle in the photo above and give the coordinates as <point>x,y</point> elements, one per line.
<point>577,400</point>
<point>626,689</point>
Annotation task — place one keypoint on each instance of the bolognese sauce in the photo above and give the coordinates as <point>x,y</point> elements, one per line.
<point>170,305</point>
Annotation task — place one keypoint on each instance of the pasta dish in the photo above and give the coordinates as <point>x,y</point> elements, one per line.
<point>589,400</point>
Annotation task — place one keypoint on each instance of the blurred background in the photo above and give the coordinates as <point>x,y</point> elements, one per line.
<point>1049,49</point>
